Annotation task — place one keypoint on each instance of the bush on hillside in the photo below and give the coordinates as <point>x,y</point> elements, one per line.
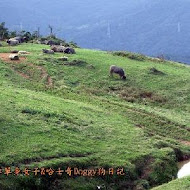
<point>134,56</point>
<point>57,41</point>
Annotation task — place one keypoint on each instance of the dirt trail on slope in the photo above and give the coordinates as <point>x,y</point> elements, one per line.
<point>185,142</point>
<point>44,75</point>
<point>21,74</point>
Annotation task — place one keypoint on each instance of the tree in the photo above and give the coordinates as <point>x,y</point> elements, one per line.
<point>38,34</point>
<point>4,33</point>
<point>22,33</point>
<point>12,34</point>
<point>51,30</point>
<point>28,35</point>
<point>73,44</point>
<point>35,35</point>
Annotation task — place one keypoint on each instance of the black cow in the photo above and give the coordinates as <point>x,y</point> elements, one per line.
<point>117,70</point>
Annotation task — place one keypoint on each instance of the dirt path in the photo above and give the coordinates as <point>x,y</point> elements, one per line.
<point>5,57</point>
<point>22,74</point>
<point>44,75</point>
<point>185,142</point>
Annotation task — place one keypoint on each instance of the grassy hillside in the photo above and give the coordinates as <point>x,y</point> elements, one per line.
<point>72,114</point>
<point>133,25</point>
<point>176,184</point>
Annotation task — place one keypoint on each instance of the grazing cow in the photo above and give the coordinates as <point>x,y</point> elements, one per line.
<point>20,39</point>
<point>57,48</point>
<point>48,51</point>
<point>38,42</point>
<point>117,70</point>
<point>12,42</point>
<point>13,57</point>
<point>69,50</point>
<point>23,52</point>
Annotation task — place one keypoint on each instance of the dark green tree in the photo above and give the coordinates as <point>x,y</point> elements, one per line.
<point>12,34</point>
<point>35,35</point>
<point>4,33</point>
<point>28,35</point>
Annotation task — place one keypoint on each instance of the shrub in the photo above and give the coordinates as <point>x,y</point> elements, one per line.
<point>134,56</point>
<point>76,63</point>
<point>30,111</point>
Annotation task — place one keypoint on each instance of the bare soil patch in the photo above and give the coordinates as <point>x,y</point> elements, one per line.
<point>185,143</point>
<point>5,57</point>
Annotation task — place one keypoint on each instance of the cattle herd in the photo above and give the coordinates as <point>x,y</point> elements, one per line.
<point>59,48</point>
<point>54,46</point>
<point>16,40</point>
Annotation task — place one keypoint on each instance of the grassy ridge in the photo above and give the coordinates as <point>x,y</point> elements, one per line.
<point>176,184</point>
<point>89,119</point>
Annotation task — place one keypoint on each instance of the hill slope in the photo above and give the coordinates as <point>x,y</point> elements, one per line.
<point>176,184</point>
<point>149,27</point>
<point>86,119</point>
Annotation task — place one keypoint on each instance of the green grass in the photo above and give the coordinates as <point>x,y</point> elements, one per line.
<point>176,184</point>
<point>88,119</point>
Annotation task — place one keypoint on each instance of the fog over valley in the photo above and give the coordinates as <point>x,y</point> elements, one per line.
<point>153,28</point>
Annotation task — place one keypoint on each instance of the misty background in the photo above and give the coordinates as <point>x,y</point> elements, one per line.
<point>154,28</point>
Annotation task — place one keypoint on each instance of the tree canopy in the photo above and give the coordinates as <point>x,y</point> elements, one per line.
<point>3,31</point>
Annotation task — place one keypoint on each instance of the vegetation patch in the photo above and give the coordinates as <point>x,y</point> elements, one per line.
<point>30,111</point>
<point>155,71</point>
<point>134,56</point>
<point>132,94</point>
<point>90,120</point>
<point>76,63</point>
<point>183,183</point>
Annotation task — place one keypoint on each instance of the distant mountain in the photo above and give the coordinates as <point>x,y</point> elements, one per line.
<point>144,26</point>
